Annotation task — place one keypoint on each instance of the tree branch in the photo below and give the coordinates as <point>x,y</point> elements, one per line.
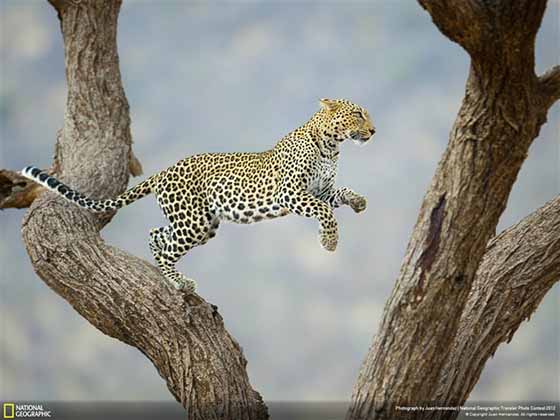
<point>16,191</point>
<point>121,295</point>
<point>462,21</point>
<point>128,299</point>
<point>501,29</point>
<point>519,267</point>
<point>550,86</point>
<point>59,5</point>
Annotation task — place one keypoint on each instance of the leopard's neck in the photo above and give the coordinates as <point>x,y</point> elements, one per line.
<point>328,147</point>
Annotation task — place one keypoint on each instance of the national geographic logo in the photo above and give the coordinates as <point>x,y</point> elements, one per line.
<point>21,411</point>
<point>8,410</point>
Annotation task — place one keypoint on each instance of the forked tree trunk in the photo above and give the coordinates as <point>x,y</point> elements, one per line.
<point>418,356</point>
<point>121,295</point>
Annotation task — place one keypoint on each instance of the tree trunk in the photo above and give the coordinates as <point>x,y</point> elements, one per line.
<point>123,296</point>
<point>504,107</point>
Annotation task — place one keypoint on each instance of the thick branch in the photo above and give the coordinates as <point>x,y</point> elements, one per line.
<point>500,29</point>
<point>126,298</point>
<point>549,83</point>
<point>16,191</point>
<point>500,117</point>
<point>518,269</point>
<point>462,21</point>
<point>59,5</point>
<point>122,296</point>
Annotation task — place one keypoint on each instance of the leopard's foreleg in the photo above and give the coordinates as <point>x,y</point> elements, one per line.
<point>303,203</point>
<point>345,196</point>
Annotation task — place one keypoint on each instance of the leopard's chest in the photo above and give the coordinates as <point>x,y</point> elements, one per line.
<point>322,178</point>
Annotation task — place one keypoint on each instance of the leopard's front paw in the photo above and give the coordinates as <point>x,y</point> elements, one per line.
<point>358,203</point>
<point>329,240</point>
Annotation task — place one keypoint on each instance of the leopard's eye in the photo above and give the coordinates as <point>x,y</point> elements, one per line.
<point>358,114</point>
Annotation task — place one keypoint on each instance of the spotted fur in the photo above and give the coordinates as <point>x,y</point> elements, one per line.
<point>296,176</point>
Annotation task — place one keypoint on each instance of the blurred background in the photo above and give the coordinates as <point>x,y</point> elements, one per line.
<point>237,76</point>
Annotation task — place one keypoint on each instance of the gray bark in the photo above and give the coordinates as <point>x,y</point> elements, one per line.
<point>519,267</point>
<point>121,295</point>
<point>504,107</point>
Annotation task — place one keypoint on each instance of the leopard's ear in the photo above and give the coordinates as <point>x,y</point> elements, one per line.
<point>330,105</point>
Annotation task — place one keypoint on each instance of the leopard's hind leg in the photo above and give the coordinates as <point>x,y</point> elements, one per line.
<point>156,238</point>
<point>168,244</point>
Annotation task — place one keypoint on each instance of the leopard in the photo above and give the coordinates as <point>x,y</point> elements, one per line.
<point>296,176</point>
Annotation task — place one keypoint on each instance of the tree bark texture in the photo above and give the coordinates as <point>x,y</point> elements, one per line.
<point>123,296</point>
<point>16,191</point>
<point>519,267</point>
<point>505,105</point>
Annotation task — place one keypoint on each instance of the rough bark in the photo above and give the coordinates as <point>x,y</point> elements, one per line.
<point>550,86</point>
<point>504,107</point>
<point>123,296</point>
<point>519,267</point>
<point>16,191</point>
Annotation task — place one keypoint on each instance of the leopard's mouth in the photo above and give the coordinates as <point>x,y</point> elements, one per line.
<point>360,140</point>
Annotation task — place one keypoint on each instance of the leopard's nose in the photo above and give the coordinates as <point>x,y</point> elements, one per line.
<point>372,131</point>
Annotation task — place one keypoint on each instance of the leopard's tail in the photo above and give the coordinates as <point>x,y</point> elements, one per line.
<point>135,193</point>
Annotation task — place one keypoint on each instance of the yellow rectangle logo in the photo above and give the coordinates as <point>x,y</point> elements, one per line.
<point>8,411</point>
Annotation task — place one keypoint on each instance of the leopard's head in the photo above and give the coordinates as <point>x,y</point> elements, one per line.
<point>342,120</point>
